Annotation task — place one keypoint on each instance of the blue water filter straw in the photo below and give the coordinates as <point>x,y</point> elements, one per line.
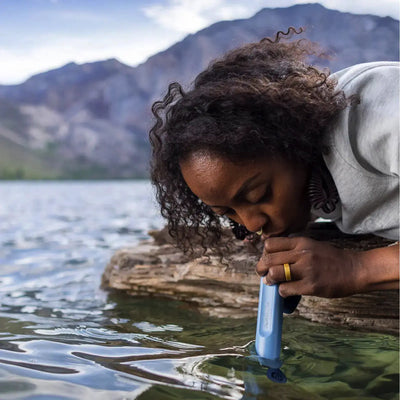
<point>271,307</point>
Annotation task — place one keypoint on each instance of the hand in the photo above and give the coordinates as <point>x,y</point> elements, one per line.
<point>317,268</point>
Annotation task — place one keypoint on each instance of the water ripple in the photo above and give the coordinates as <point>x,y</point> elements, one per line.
<point>62,337</point>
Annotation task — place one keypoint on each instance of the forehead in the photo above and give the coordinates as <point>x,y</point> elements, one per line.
<point>214,178</point>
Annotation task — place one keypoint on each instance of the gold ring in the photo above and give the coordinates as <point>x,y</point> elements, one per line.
<point>260,232</point>
<point>288,275</point>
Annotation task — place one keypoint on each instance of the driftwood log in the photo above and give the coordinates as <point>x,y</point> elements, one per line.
<point>230,288</point>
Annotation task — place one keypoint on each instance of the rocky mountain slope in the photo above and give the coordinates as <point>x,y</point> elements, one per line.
<point>91,120</point>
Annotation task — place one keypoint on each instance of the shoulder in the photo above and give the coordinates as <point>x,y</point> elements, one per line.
<point>357,76</point>
<point>367,132</point>
<point>363,149</point>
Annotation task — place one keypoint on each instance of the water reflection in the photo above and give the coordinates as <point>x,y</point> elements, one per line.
<point>62,337</point>
<point>125,356</point>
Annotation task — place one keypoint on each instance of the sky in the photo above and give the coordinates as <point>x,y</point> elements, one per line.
<point>39,35</point>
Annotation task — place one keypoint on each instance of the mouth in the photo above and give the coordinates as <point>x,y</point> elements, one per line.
<point>254,236</point>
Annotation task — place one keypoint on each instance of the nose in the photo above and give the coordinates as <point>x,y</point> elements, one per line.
<point>252,217</point>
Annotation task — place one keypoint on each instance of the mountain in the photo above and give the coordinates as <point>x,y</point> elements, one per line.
<point>91,120</point>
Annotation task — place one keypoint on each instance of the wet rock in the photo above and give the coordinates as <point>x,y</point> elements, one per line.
<point>379,359</point>
<point>381,383</point>
<point>331,390</point>
<point>318,368</point>
<point>357,377</point>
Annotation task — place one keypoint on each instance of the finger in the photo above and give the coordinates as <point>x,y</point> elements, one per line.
<point>298,287</point>
<point>276,274</point>
<point>268,260</point>
<point>291,289</point>
<point>277,244</point>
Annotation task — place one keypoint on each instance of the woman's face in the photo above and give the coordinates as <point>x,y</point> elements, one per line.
<point>269,194</point>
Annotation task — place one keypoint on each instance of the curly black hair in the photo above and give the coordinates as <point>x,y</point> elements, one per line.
<point>258,100</point>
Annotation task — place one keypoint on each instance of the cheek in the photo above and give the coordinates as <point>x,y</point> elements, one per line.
<point>292,199</point>
<point>298,185</point>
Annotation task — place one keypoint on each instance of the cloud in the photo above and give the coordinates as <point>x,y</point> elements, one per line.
<point>382,8</point>
<point>190,16</point>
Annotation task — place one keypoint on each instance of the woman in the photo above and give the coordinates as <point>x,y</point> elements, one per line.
<point>268,142</point>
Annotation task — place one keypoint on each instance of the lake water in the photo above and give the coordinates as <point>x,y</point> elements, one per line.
<point>62,337</point>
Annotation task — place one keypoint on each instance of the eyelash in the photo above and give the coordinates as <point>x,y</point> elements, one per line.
<point>229,211</point>
<point>266,196</point>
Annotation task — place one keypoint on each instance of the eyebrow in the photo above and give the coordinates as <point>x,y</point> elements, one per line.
<point>241,190</point>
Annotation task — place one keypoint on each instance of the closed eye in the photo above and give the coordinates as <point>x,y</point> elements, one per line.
<point>222,211</point>
<point>265,197</point>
